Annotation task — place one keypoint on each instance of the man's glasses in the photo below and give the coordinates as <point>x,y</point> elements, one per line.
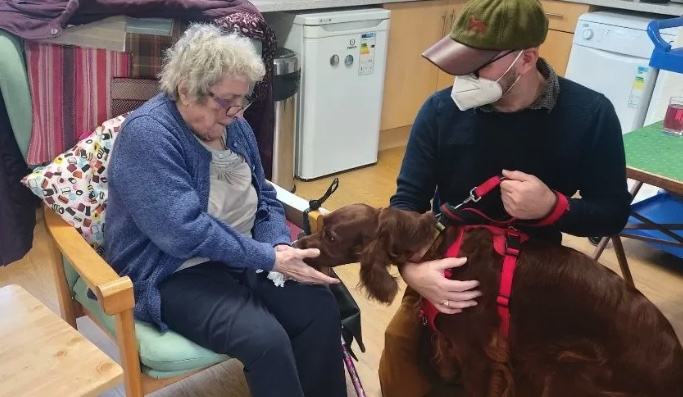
<point>232,110</point>
<point>492,60</point>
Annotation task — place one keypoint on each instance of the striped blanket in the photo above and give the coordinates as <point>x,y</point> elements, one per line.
<point>70,90</point>
<point>74,89</point>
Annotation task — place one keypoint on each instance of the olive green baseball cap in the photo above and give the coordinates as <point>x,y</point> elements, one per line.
<point>483,29</point>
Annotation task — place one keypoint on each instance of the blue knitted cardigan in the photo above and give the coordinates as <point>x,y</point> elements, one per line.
<point>156,214</point>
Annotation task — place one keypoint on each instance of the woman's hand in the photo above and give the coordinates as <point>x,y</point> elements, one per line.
<point>282,247</point>
<point>428,280</point>
<point>289,262</point>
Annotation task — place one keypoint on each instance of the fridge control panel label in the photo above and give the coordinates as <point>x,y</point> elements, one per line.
<point>366,62</point>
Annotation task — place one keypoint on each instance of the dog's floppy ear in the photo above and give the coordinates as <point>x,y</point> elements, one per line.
<point>374,273</point>
<point>400,234</point>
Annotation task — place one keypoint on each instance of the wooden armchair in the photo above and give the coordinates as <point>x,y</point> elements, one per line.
<point>150,360</point>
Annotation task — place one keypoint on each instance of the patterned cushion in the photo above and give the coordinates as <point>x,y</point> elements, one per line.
<point>74,183</point>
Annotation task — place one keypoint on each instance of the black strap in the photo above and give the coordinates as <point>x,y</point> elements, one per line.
<point>315,205</point>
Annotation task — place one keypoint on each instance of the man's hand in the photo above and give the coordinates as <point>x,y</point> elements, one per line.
<point>428,280</point>
<point>525,196</point>
<point>289,262</point>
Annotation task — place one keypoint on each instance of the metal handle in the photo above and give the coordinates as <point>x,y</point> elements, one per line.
<point>554,15</point>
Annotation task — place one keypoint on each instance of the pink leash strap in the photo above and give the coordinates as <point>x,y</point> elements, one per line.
<point>355,379</point>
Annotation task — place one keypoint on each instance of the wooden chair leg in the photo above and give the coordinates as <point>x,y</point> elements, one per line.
<point>620,253</point>
<point>623,262</point>
<point>128,349</point>
<point>618,246</point>
<point>600,248</point>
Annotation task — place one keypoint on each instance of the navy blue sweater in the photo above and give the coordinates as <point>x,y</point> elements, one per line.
<point>575,147</point>
<point>158,201</point>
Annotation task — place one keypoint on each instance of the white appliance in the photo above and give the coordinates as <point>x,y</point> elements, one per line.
<point>343,57</point>
<point>611,54</point>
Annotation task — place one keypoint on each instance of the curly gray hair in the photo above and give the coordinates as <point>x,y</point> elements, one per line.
<point>205,55</point>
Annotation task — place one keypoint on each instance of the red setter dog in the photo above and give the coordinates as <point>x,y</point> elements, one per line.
<point>576,328</point>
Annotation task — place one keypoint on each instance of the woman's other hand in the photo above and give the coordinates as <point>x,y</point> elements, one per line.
<point>428,280</point>
<point>290,262</point>
<point>282,247</point>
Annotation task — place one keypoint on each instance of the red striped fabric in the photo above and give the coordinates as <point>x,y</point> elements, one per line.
<point>70,90</point>
<point>294,230</point>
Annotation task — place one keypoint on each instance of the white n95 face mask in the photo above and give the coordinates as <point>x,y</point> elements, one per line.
<point>470,91</point>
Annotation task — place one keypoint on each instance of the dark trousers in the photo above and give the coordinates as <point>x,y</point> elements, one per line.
<point>287,338</point>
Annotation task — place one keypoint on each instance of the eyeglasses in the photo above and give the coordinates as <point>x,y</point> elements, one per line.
<point>492,60</point>
<point>231,110</point>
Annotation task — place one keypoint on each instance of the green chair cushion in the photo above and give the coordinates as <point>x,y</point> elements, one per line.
<point>15,89</point>
<point>162,355</point>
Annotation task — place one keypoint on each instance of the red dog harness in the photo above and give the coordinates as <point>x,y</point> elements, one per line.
<point>506,241</point>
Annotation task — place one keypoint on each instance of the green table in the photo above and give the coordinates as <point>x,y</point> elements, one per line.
<point>654,158</point>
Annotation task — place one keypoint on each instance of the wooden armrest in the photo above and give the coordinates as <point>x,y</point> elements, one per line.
<point>114,293</point>
<point>295,207</point>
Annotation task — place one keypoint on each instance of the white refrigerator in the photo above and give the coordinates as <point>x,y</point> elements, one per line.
<point>343,59</point>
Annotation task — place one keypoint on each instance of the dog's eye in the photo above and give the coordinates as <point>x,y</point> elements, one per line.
<point>329,237</point>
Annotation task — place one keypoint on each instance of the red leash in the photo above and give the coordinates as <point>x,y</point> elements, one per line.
<point>506,241</point>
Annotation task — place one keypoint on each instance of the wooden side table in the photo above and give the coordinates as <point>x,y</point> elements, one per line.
<point>42,355</point>
<point>654,158</point>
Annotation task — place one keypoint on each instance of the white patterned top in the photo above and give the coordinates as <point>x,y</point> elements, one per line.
<point>232,196</point>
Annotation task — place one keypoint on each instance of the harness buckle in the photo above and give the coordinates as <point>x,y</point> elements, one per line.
<point>441,222</point>
<point>503,300</point>
<point>423,317</point>
<point>513,244</point>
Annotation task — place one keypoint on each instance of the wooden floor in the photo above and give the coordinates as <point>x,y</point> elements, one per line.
<point>658,275</point>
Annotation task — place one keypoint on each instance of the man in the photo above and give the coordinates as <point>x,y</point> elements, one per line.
<point>508,114</point>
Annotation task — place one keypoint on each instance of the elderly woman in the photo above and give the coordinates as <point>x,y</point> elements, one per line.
<point>190,219</point>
